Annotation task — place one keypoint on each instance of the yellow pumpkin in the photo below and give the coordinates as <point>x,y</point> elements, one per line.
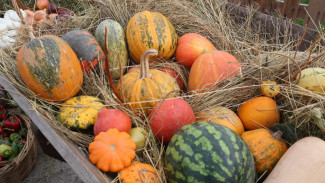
<point>143,88</point>
<point>147,30</point>
<point>269,88</point>
<point>222,116</point>
<point>80,112</point>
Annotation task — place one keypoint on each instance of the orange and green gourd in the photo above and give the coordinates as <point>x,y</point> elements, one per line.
<point>139,172</point>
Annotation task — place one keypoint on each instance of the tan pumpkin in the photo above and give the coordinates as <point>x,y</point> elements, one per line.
<point>139,172</point>
<point>147,30</point>
<point>144,88</point>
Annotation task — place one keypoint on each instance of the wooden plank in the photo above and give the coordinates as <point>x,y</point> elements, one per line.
<point>290,9</point>
<point>267,6</point>
<point>316,10</point>
<point>70,153</point>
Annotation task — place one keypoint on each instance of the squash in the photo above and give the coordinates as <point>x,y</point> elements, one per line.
<point>139,172</point>
<point>112,150</point>
<point>142,89</point>
<point>139,136</point>
<point>169,116</point>
<point>258,112</point>
<point>303,162</point>
<point>222,116</point>
<point>211,68</point>
<point>269,88</point>
<point>267,148</point>
<point>86,48</point>
<point>115,44</point>
<point>80,112</point>
<point>150,30</point>
<point>190,47</point>
<point>312,79</point>
<point>289,133</point>
<point>50,68</point>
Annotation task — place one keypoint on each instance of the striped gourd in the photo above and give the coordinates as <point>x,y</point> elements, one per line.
<point>208,152</point>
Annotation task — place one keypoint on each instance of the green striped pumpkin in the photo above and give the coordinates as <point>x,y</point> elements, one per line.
<point>208,152</point>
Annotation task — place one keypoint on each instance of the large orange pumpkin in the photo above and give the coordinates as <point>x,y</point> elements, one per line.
<point>222,116</point>
<point>147,30</point>
<point>139,172</point>
<point>190,47</point>
<point>144,88</point>
<point>259,112</point>
<point>211,68</point>
<point>267,148</point>
<point>50,68</point>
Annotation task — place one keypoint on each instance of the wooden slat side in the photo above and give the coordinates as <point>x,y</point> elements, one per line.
<point>290,9</point>
<point>316,10</point>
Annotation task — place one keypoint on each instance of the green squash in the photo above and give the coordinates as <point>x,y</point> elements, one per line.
<point>208,152</point>
<point>289,133</point>
<point>116,44</point>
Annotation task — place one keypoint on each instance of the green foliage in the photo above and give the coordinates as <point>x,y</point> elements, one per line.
<point>300,21</point>
<point>304,1</point>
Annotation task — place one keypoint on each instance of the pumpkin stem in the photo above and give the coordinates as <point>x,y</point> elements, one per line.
<point>277,135</point>
<point>317,116</point>
<point>144,63</point>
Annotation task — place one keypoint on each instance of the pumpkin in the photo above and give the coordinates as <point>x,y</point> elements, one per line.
<point>139,136</point>
<point>289,132</point>
<point>258,112</point>
<point>42,4</point>
<point>303,162</point>
<point>150,30</point>
<point>169,116</point>
<point>190,47</point>
<point>86,48</point>
<point>222,116</point>
<point>139,172</point>
<point>208,152</point>
<point>115,44</point>
<point>267,148</point>
<point>269,88</point>
<point>211,68</point>
<point>112,150</point>
<point>312,79</point>
<point>142,89</point>
<point>50,68</point>
<point>112,118</point>
<point>80,112</point>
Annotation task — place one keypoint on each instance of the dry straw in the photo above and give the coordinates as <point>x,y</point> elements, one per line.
<point>264,57</point>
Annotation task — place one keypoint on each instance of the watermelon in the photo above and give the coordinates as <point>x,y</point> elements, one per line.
<point>208,152</point>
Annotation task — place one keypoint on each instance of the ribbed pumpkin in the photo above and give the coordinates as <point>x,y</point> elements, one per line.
<point>50,68</point>
<point>80,112</point>
<point>144,88</point>
<point>211,68</point>
<point>139,172</point>
<point>222,116</point>
<point>267,148</point>
<point>147,30</point>
<point>115,44</point>
<point>86,48</point>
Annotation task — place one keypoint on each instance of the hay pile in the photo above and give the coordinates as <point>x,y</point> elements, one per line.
<point>263,56</point>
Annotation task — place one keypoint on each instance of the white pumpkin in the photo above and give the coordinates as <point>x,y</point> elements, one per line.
<point>313,79</point>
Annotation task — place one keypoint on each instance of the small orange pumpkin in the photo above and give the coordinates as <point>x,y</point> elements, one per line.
<point>269,88</point>
<point>139,172</point>
<point>112,150</point>
<point>258,112</point>
<point>267,148</point>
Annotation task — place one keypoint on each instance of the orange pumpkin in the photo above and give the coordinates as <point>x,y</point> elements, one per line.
<point>222,116</point>
<point>139,172</point>
<point>190,47</point>
<point>112,150</point>
<point>211,68</point>
<point>259,112</point>
<point>267,148</point>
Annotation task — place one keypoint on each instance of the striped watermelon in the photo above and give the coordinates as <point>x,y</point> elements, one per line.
<point>208,152</point>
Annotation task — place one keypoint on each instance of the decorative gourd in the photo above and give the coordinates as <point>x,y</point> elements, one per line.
<point>139,136</point>
<point>150,30</point>
<point>267,148</point>
<point>50,68</point>
<point>139,172</point>
<point>112,118</point>
<point>208,152</point>
<point>143,88</point>
<point>86,48</point>
<point>312,79</point>
<point>169,116</point>
<point>112,150</point>
<point>222,116</point>
<point>303,162</point>
<point>289,133</point>
<point>190,47</point>
<point>115,44</point>
<point>80,112</point>
<point>211,68</point>
<point>259,112</point>
<point>269,88</point>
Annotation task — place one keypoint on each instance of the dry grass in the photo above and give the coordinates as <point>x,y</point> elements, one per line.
<point>270,59</point>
